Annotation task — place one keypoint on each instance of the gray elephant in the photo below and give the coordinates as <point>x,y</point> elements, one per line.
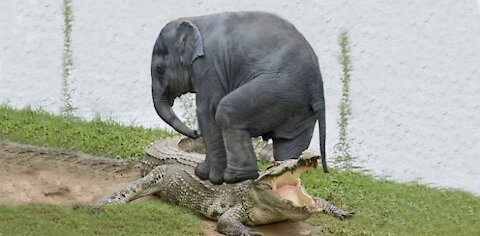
<point>253,74</point>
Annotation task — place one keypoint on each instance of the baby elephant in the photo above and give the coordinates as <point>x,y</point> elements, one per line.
<point>253,74</point>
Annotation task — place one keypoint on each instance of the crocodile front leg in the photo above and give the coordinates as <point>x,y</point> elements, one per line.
<point>328,208</point>
<point>230,224</point>
<point>139,188</point>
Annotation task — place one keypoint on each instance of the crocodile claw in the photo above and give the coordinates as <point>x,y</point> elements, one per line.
<point>254,233</point>
<point>343,215</point>
<point>248,232</point>
<point>332,210</point>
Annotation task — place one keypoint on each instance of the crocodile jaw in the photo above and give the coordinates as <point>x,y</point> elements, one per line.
<point>280,186</point>
<point>289,187</point>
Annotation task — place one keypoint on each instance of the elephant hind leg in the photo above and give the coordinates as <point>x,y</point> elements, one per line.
<point>284,149</point>
<point>254,109</point>
<point>241,161</point>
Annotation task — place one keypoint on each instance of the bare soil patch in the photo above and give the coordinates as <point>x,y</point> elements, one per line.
<point>36,175</point>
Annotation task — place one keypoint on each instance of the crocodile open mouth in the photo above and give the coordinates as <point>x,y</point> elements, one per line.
<point>289,187</point>
<point>284,179</point>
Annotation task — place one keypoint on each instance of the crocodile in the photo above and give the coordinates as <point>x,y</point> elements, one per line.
<point>276,195</point>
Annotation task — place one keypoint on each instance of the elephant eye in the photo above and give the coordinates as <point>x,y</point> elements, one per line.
<point>160,70</point>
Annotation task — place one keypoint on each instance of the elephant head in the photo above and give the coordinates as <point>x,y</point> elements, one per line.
<point>176,49</point>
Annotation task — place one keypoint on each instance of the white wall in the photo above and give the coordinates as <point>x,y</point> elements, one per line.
<point>31,42</point>
<point>415,86</point>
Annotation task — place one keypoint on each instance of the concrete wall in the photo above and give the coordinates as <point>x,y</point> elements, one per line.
<point>415,87</point>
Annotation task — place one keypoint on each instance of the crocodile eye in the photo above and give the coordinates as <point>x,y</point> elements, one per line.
<point>264,186</point>
<point>277,163</point>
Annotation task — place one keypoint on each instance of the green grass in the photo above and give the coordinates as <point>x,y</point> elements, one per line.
<point>106,138</point>
<point>382,207</point>
<point>146,218</point>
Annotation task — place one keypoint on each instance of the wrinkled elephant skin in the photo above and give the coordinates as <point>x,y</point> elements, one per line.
<point>253,74</point>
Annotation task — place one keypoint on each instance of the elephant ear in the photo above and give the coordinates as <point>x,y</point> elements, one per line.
<point>189,43</point>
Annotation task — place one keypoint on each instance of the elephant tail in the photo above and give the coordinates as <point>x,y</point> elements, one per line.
<point>319,109</point>
<point>322,136</point>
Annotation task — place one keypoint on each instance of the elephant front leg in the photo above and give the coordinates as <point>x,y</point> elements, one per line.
<point>215,161</point>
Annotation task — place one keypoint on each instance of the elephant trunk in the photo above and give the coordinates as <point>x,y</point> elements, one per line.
<point>164,110</point>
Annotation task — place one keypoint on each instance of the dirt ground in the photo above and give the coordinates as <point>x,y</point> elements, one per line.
<point>35,175</point>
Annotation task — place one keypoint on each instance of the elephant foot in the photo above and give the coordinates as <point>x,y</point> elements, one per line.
<point>202,170</point>
<point>237,175</point>
<point>217,169</point>
<point>216,177</point>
